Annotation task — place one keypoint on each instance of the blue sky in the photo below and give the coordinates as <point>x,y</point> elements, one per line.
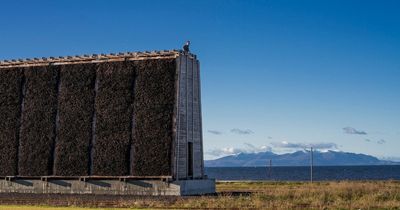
<point>276,75</point>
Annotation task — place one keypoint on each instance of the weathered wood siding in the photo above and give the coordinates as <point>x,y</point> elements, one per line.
<point>182,120</point>
<point>189,118</point>
<point>197,124</point>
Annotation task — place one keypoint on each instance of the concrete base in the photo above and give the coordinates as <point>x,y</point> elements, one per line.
<point>109,187</point>
<point>196,186</point>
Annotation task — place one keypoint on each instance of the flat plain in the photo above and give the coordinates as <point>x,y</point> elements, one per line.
<point>246,195</point>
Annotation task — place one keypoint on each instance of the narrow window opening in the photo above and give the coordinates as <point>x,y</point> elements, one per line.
<point>190,159</point>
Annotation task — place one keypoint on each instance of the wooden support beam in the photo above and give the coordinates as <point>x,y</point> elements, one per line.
<point>61,60</point>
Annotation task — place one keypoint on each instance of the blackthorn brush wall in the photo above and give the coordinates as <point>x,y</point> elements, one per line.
<point>105,115</point>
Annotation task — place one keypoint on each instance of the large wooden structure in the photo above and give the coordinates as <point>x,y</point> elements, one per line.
<point>126,116</point>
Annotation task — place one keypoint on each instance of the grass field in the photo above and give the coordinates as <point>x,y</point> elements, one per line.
<point>276,195</point>
<point>55,208</point>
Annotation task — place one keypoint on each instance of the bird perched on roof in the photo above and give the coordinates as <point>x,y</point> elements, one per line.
<point>186,47</point>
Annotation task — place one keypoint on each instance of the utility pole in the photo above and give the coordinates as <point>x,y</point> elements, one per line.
<point>311,166</point>
<point>270,168</point>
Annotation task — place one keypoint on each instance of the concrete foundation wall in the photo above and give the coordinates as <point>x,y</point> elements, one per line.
<point>109,187</point>
<point>196,186</point>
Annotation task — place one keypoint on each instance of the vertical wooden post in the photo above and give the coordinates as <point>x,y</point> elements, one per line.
<point>52,165</point>
<point>20,119</point>
<point>92,140</point>
<point>177,114</point>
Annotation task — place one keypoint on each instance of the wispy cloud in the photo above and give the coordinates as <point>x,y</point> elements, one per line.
<point>242,131</point>
<point>253,149</point>
<point>248,148</point>
<point>382,141</point>
<point>391,158</point>
<point>269,137</point>
<point>320,146</point>
<point>215,132</point>
<point>350,130</point>
<point>224,151</point>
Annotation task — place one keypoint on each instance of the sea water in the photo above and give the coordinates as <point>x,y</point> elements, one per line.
<point>303,173</point>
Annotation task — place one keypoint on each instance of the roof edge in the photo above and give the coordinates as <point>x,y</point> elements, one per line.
<point>93,58</point>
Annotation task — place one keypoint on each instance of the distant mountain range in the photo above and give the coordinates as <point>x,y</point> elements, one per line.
<point>300,158</point>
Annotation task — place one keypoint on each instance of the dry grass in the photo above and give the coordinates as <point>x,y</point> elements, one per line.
<point>320,195</point>
<point>274,195</point>
<point>51,208</point>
